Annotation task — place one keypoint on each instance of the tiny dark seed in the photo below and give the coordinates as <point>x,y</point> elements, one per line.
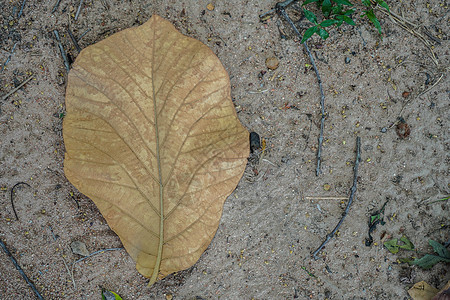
<point>255,142</point>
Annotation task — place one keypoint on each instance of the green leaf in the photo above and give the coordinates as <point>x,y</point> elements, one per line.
<point>370,14</point>
<point>392,245</point>
<point>309,1</point>
<point>336,10</point>
<point>109,295</point>
<point>383,4</point>
<point>428,261</point>
<point>439,249</point>
<point>349,12</point>
<point>408,245</point>
<point>328,23</point>
<point>348,20</point>
<point>374,218</point>
<point>367,3</point>
<point>308,33</point>
<point>344,2</point>
<point>406,260</point>
<point>323,33</point>
<point>310,16</point>
<point>326,7</point>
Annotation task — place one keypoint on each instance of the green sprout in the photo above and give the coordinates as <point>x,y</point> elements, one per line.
<point>337,12</point>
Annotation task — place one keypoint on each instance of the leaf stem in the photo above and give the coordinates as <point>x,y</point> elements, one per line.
<point>155,273</point>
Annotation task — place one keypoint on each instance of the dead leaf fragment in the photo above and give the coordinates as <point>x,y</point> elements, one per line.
<point>403,130</point>
<point>152,137</point>
<point>422,291</point>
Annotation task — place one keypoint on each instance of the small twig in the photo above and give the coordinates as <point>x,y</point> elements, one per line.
<point>17,88</point>
<point>432,37</point>
<point>90,255</point>
<point>326,198</point>
<point>267,13</point>
<point>258,92</point>
<point>78,10</point>
<point>12,197</point>
<point>435,201</point>
<point>56,6</point>
<point>68,271</point>
<point>350,199</point>
<point>74,40</point>
<point>75,199</point>
<point>434,84</point>
<point>280,8</point>
<point>9,57</point>
<point>411,28</point>
<point>51,231</point>
<point>83,34</point>
<point>21,9</point>
<point>14,261</point>
<point>61,49</point>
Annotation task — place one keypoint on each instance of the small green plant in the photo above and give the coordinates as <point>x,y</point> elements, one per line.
<point>425,262</point>
<point>336,12</point>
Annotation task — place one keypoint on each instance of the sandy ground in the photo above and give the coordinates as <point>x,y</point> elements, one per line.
<point>274,220</point>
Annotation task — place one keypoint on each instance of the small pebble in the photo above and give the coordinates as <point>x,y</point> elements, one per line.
<point>272,63</point>
<point>383,130</point>
<point>79,248</point>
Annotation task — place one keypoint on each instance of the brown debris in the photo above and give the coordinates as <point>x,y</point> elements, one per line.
<point>272,63</point>
<point>403,130</point>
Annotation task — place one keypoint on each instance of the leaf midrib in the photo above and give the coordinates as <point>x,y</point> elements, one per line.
<point>158,160</point>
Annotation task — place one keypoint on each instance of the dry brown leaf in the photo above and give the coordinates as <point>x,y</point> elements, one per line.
<point>153,138</point>
<point>422,291</point>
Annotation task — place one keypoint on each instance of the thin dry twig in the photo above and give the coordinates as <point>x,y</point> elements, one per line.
<point>21,9</point>
<point>78,10</point>
<point>83,34</point>
<point>9,57</point>
<point>62,51</point>
<point>86,257</point>
<point>17,88</point>
<point>68,271</point>
<point>350,199</point>
<point>434,84</point>
<point>326,198</point>
<point>74,40</point>
<point>56,6</point>
<point>14,261</point>
<point>280,6</point>
<point>411,28</point>
<point>12,197</point>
